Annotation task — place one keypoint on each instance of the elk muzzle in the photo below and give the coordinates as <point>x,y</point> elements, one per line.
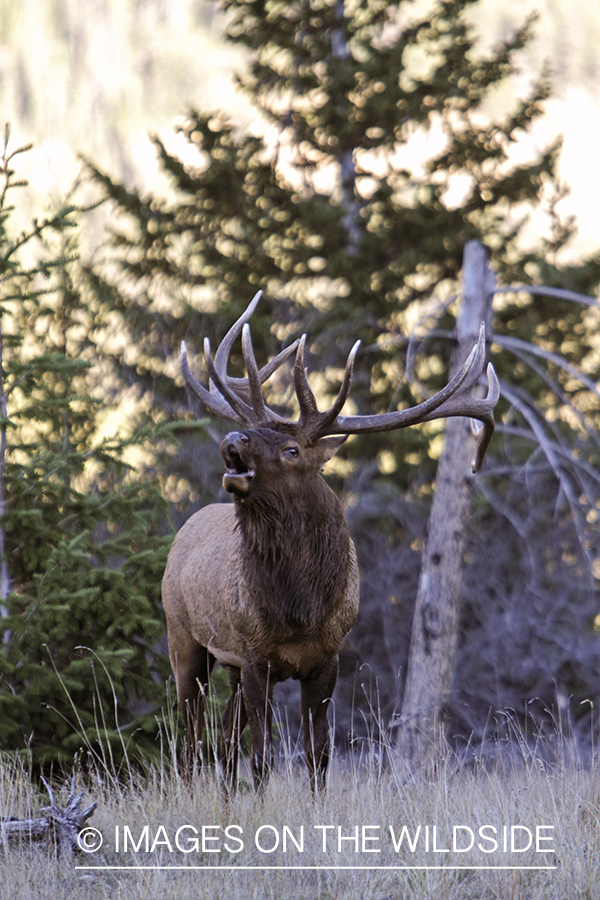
<point>235,450</point>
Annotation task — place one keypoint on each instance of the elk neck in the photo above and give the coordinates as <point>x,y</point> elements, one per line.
<point>295,552</point>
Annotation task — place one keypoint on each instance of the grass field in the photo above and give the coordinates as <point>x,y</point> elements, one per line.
<point>531,821</point>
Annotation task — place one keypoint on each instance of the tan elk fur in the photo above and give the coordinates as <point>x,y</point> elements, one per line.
<point>205,597</point>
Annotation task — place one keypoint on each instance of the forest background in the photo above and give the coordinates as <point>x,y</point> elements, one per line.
<point>102,458</point>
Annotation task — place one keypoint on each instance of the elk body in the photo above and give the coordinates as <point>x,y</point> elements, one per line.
<point>268,586</point>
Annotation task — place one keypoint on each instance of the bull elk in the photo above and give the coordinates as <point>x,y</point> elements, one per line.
<point>268,585</point>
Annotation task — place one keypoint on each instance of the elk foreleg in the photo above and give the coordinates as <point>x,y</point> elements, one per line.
<point>233,722</point>
<point>192,664</point>
<point>316,692</point>
<point>257,688</point>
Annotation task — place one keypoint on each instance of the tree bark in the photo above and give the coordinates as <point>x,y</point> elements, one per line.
<point>351,220</point>
<point>421,738</point>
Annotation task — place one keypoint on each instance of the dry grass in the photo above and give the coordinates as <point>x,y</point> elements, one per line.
<point>363,798</point>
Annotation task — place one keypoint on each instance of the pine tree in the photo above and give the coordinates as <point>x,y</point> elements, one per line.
<point>374,160</point>
<point>82,544</point>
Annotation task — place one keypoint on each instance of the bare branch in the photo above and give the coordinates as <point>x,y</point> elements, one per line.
<point>544,291</point>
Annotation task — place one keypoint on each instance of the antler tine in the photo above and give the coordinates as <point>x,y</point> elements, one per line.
<point>224,348</point>
<point>267,370</point>
<point>256,397</point>
<point>245,414</point>
<point>478,359</point>
<point>328,416</point>
<point>478,408</point>
<point>223,395</point>
<point>214,403</point>
<point>484,429</point>
<point>309,411</point>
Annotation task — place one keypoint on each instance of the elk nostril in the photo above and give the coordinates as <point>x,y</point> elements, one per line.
<point>237,437</point>
<point>234,445</point>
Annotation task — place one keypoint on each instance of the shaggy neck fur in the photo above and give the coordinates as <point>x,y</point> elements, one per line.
<point>295,555</point>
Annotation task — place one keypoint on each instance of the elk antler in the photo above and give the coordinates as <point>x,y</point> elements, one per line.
<point>223,396</point>
<point>452,400</point>
<point>224,400</point>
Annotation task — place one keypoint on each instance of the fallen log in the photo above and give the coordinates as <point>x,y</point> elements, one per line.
<point>58,827</point>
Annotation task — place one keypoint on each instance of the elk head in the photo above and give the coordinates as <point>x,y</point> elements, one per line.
<point>257,458</point>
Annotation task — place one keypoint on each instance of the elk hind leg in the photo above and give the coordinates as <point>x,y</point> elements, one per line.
<point>233,722</point>
<point>192,666</point>
<point>316,692</point>
<point>257,687</point>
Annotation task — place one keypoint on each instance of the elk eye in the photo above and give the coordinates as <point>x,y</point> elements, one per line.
<point>291,451</point>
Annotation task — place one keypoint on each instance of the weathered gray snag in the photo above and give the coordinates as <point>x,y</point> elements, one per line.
<point>435,623</point>
<point>59,827</point>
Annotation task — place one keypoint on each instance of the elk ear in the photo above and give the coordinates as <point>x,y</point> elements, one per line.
<point>327,446</point>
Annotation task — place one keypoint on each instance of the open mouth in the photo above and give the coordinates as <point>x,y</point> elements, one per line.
<point>238,476</point>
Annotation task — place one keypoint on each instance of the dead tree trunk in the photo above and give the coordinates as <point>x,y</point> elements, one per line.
<point>345,158</point>
<point>435,623</point>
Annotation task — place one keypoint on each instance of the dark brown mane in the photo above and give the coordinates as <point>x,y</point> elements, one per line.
<point>295,554</point>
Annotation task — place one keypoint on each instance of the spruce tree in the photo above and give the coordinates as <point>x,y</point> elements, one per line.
<point>81,531</point>
<point>374,159</point>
